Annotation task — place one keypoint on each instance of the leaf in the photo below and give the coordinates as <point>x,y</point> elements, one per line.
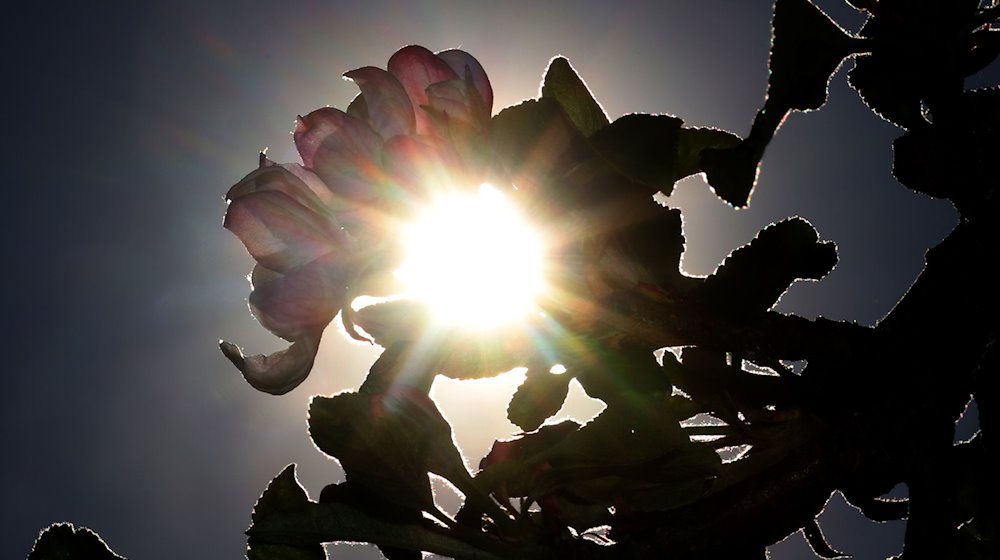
<point>540,396</point>
<point>863,5</point>
<point>354,495</point>
<point>282,496</point>
<point>732,172</point>
<point>395,321</point>
<point>620,375</point>
<point>923,51</point>
<point>383,458</point>
<point>888,90</point>
<point>564,85</point>
<point>807,48</point>
<point>474,354</point>
<point>510,467</point>
<point>452,352</point>
<point>633,453</point>
<point>953,157</point>
<point>753,277</point>
<point>283,493</point>
<point>336,522</point>
<point>878,509</point>
<point>657,243</point>
<point>817,542</point>
<point>401,364</point>
<point>643,147</point>
<point>633,432</point>
<point>691,142</point>
<point>63,541</point>
<point>538,144</point>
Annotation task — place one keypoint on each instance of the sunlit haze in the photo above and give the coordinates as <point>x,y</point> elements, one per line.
<point>474,258</point>
<point>121,414</point>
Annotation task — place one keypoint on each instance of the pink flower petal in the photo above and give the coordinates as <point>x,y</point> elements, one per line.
<point>276,373</point>
<point>416,68</point>
<point>451,98</point>
<point>388,106</point>
<point>291,179</point>
<point>345,157</point>
<point>459,61</point>
<point>359,108</point>
<point>280,233</point>
<point>313,183</point>
<point>420,166</point>
<point>302,300</point>
<point>314,129</point>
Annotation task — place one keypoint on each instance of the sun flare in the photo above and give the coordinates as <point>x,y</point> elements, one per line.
<point>474,259</point>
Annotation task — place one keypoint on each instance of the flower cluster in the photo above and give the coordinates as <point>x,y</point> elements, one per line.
<point>318,230</point>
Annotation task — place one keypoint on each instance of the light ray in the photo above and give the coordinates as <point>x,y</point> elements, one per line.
<point>474,259</point>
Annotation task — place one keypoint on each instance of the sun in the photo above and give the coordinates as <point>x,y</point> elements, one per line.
<point>474,259</point>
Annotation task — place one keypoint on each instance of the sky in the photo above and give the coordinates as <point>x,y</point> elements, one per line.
<point>124,123</point>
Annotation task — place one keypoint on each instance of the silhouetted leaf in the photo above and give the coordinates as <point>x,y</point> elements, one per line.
<point>63,541</point>
<point>817,542</point>
<point>643,147</point>
<point>878,509</point>
<point>985,49</point>
<point>393,321</point>
<point>404,364</point>
<point>540,396</point>
<point>509,469</point>
<point>732,172</point>
<point>379,455</point>
<point>282,496</point>
<point>921,54</point>
<point>876,82</point>
<point>658,243</point>
<point>622,374</point>
<point>538,143</point>
<point>283,493</point>
<point>634,452</point>
<point>452,352</point>
<point>665,483</point>
<point>691,143</point>
<point>472,354</point>
<point>955,156</point>
<point>564,85</point>
<point>336,522</point>
<point>806,49</point>
<point>862,5</point>
<point>753,277</point>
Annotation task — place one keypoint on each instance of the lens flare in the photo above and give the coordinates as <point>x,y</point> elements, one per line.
<point>474,259</point>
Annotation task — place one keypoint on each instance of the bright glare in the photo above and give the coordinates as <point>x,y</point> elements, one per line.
<point>474,259</point>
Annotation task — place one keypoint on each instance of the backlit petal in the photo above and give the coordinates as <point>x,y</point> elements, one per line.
<point>314,129</point>
<point>452,98</point>
<point>280,233</point>
<point>388,106</point>
<point>347,162</point>
<point>419,166</point>
<point>291,179</point>
<point>276,373</point>
<point>459,60</point>
<point>358,107</point>
<point>416,68</point>
<point>302,300</point>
